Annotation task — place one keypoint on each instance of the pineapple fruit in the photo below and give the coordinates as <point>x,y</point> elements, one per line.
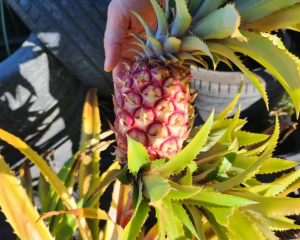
<point>153,100</point>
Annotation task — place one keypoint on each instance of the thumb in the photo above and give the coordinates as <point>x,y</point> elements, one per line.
<point>116,26</point>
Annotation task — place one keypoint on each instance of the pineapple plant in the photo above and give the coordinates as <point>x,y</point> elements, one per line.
<point>199,181</point>
<point>153,101</point>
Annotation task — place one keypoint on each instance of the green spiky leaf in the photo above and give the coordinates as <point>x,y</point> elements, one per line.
<point>231,106</point>
<point>258,9</point>
<point>137,156</point>
<point>181,215</point>
<point>156,187</point>
<point>179,192</point>
<point>223,50</point>
<point>182,21</point>
<point>220,24</point>
<point>221,215</point>
<point>275,59</point>
<point>246,138</point>
<point>211,198</point>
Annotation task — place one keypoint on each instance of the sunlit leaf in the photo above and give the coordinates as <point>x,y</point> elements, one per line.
<point>277,60</point>
<point>18,208</point>
<point>246,138</point>
<point>179,212</point>
<point>152,234</point>
<point>210,198</point>
<point>277,186</point>
<point>173,226</point>
<point>219,230</point>
<point>222,215</point>
<point>257,9</point>
<point>179,192</point>
<point>53,180</point>
<point>231,106</point>
<point>225,51</point>
<point>197,220</point>
<point>156,187</point>
<point>220,24</point>
<point>137,156</point>
<point>280,19</point>
<point>238,222</point>
<point>241,177</point>
<point>270,206</point>
<point>79,212</point>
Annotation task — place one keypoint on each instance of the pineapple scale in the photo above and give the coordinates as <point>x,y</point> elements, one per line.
<point>153,107</point>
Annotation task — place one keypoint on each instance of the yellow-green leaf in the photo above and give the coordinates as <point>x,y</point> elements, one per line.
<point>231,106</point>
<point>210,198</point>
<point>155,187</point>
<point>222,186</point>
<point>238,222</point>
<point>179,192</point>
<point>18,208</point>
<point>272,57</point>
<point>225,51</point>
<point>222,215</point>
<point>280,19</point>
<point>79,212</point>
<point>53,180</point>
<point>246,138</point>
<point>137,156</point>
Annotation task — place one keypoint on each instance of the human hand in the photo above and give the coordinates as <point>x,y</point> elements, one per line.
<point>121,22</point>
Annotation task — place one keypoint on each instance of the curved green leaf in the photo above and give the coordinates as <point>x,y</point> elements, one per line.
<point>137,156</point>
<point>182,21</point>
<point>179,212</point>
<point>231,106</point>
<point>206,8</point>
<point>18,208</point>
<point>156,187</point>
<point>280,19</point>
<point>172,45</point>
<point>221,215</point>
<point>220,231</point>
<point>276,187</point>
<point>197,220</point>
<point>193,43</point>
<point>210,198</point>
<point>277,60</point>
<point>225,51</point>
<point>270,206</point>
<point>161,32</point>
<point>179,192</point>
<point>258,9</point>
<point>246,138</point>
<point>156,45</point>
<point>178,162</point>
<point>219,24</point>
<point>53,180</point>
<point>173,226</point>
<point>138,219</point>
<point>241,177</point>
<point>145,25</point>
<point>238,222</point>
<point>272,165</point>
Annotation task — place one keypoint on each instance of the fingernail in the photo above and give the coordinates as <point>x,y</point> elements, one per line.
<point>105,65</point>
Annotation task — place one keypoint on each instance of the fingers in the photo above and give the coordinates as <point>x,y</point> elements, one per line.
<point>120,69</point>
<point>116,26</point>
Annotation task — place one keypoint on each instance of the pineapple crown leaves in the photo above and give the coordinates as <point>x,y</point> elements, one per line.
<point>217,22</point>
